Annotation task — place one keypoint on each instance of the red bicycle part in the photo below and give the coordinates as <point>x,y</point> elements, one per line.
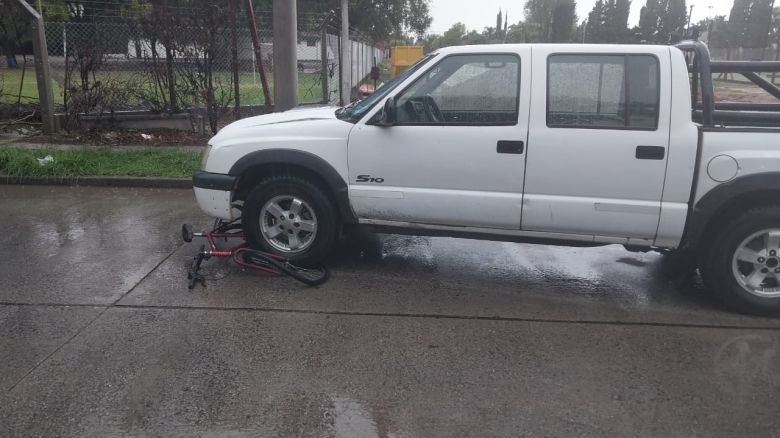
<point>245,257</point>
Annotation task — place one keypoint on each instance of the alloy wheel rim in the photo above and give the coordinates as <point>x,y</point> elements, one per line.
<point>288,224</point>
<point>756,263</point>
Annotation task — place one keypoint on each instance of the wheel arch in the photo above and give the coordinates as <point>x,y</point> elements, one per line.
<point>254,166</point>
<point>727,200</point>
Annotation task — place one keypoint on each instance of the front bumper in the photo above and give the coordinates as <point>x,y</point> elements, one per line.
<point>214,181</point>
<point>214,193</point>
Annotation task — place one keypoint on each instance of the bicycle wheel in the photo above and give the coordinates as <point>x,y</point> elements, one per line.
<point>308,276</point>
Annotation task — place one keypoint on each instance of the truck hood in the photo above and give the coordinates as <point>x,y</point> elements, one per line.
<point>314,130</point>
<point>295,115</point>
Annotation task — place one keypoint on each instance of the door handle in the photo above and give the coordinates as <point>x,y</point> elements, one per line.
<point>650,152</point>
<point>510,147</point>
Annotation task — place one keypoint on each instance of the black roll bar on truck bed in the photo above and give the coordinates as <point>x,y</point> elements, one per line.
<point>710,113</point>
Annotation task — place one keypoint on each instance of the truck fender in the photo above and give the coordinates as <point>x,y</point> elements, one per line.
<point>713,201</point>
<point>286,157</point>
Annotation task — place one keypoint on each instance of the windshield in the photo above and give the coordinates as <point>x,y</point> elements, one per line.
<point>356,110</point>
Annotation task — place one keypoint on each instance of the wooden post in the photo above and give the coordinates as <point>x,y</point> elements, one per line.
<point>168,41</point>
<point>42,71</point>
<point>258,54</point>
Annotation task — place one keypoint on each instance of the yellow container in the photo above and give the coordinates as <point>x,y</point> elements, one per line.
<point>401,57</point>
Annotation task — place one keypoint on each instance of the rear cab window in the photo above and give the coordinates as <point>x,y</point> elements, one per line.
<point>603,91</point>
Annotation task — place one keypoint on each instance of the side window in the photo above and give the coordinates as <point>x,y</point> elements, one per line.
<point>464,90</point>
<point>602,91</point>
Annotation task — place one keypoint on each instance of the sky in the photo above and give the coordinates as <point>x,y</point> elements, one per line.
<point>478,14</point>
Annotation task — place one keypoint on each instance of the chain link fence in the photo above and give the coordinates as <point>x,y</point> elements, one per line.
<point>162,63</point>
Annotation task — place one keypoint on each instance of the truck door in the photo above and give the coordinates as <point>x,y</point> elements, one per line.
<point>456,154</point>
<point>598,142</point>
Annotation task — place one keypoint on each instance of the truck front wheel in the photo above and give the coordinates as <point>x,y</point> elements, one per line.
<point>742,261</point>
<point>291,217</point>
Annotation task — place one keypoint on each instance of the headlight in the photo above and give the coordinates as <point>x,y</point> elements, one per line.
<point>205,158</point>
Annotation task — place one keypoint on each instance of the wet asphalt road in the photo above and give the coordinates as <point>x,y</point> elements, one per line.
<point>411,337</point>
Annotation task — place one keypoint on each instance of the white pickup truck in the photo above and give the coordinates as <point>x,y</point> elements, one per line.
<point>578,145</point>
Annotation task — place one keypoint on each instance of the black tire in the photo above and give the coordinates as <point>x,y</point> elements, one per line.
<point>717,256</point>
<point>327,219</point>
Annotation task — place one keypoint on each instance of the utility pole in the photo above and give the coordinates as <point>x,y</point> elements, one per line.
<point>346,54</point>
<point>285,54</point>
<point>690,13</point>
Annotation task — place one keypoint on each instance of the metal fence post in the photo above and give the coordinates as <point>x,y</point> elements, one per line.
<point>234,59</point>
<point>42,73</point>
<point>324,63</point>
<point>285,54</point>
<point>346,54</point>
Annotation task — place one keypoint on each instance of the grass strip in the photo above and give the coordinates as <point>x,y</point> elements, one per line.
<point>309,86</point>
<point>157,162</point>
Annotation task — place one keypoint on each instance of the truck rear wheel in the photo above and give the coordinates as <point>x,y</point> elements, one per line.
<point>742,261</point>
<point>291,217</point>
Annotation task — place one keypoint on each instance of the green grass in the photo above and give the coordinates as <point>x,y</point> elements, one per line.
<point>11,79</point>
<point>309,88</point>
<point>160,162</point>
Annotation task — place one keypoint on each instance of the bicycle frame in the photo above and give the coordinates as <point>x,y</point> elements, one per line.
<point>222,231</point>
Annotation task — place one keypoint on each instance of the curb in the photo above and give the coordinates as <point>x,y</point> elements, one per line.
<point>99,181</point>
<point>115,147</point>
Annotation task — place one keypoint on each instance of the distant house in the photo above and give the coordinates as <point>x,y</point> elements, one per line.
<point>308,50</point>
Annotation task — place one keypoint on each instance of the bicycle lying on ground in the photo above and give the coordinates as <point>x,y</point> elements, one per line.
<point>245,256</point>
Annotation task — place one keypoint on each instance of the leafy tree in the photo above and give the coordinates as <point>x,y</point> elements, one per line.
<point>14,36</point>
<point>496,34</point>
<point>475,37</point>
<point>649,17</point>
<point>499,23</point>
<point>380,19</point>
<point>673,19</point>
<point>15,32</point>
<point>555,19</point>
<point>517,33</point>
<point>418,16</point>
<point>660,20</point>
<point>718,32</point>
<point>608,22</point>
<point>428,42</point>
<point>617,21</point>
<point>749,22</point>
<point>454,35</point>
<point>774,31</point>
<point>564,18</point>
<point>594,27</point>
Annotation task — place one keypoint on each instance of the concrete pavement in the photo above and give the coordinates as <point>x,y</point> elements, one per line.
<point>411,337</point>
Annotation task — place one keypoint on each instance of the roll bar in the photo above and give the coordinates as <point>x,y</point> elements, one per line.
<point>702,72</point>
<point>710,113</point>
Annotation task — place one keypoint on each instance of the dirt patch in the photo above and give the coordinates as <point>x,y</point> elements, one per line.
<point>23,119</point>
<point>741,92</point>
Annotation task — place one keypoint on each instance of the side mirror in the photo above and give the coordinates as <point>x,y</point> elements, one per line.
<point>387,116</point>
